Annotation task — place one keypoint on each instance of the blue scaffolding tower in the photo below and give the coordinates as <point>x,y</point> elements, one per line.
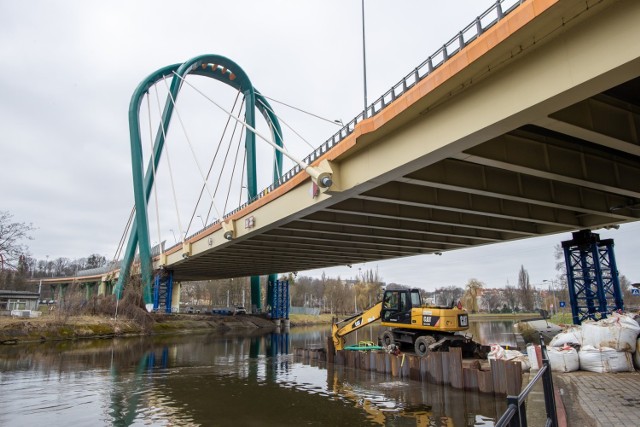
<point>592,276</point>
<point>279,302</point>
<point>162,291</point>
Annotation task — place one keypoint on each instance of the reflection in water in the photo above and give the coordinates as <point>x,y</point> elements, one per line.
<point>203,380</point>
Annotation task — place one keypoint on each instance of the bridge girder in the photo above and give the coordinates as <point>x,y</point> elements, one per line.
<point>538,136</point>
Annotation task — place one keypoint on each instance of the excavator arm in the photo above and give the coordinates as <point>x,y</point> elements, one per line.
<point>345,327</point>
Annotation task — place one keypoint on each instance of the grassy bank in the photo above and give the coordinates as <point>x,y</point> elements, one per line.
<point>501,316</point>
<point>50,327</point>
<point>310,319</point>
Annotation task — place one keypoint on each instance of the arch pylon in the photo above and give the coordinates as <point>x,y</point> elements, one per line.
<point>213,66</point>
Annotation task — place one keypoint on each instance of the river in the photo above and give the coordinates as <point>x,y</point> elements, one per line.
<point>213,380</point>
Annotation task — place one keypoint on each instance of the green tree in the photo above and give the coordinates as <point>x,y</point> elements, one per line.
<point>473,291</point>
<point>95,261</point>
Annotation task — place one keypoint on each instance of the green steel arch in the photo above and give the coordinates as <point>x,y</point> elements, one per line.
<point>212,66</point>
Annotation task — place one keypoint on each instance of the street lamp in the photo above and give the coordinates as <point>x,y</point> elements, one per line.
<point>174,236</point>
<point>201,220</point>
<point>364,63</point>
<point>552,287</point>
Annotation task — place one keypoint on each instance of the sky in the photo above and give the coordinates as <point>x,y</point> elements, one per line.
<point>68,70</point>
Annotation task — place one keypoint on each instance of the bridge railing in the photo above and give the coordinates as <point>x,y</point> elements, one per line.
<point>110,266</point>
<point>482,23</point>
<point>516,413</point>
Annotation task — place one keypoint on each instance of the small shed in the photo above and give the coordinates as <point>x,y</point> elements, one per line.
<point>17,300</point>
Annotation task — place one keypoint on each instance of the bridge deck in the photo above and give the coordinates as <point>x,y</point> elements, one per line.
<point>531,130</point>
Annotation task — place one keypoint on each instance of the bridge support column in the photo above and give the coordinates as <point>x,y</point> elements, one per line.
<point>592,276</point>
<point>280,300</point>
<point>256,295</point>
<point>175,297</point>
<point>163,291</point>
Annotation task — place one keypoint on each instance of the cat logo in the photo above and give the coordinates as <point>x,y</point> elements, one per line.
<point>357,323</point>
<point>463,320</point>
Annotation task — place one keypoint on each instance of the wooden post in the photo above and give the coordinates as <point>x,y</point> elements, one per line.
<point>470,379</point>
<point>380,363</point>
<point>395,366</point>
<point>414,367</point>
<point>424,370</point>
<point>485,382</point>
<point>499,374</point>
<point>331,350</point>
<point>404,367</point>
<point>434,361</point>
<point>456,377</point>
<point>514,378</point>
<point>340,357</point>
<point>446,359</point>
<point>387,363</point>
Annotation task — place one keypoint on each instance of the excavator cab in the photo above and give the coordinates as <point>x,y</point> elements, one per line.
<point>397,305</point>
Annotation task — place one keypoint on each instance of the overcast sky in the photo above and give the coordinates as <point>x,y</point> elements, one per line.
<point>69,68</point>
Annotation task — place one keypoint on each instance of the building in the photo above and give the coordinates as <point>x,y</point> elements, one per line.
<point>17,300</point>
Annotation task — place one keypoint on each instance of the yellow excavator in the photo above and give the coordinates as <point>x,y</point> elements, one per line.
<point>425,328</point>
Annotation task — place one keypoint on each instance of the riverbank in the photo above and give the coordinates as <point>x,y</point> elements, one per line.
<point>51,327</point>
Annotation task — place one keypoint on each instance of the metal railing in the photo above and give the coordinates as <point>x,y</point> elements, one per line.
<point>516,413</point>
<point>496,12</point>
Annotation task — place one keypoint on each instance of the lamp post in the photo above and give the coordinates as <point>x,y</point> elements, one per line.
<point>201,220</point>
<point>174,235</point>
<point>364,63</point>
<point>552,287</point>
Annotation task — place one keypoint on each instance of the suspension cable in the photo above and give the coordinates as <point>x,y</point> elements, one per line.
<point>333,122</point>
<point>184,130</point>
<point>244,162</point>
<point>233,171</point>
<point>215,156</point>
<point>173,188</point>
<point>224,162</point>
<point>303,165</point>
<point>226,156</point>
<point>287,125</point>
<point>153,171</point>
<point>124,233</point>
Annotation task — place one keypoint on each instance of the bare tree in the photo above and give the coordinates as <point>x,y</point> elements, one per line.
<point>525,290</point>
<point>491,300</point>
<point>511,297</point>
<point>11,236</point>
<point>448,295</point>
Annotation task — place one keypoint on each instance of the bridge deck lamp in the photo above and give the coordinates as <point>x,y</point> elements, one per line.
<point>229,228</point>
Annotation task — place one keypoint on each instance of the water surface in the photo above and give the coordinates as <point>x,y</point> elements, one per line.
<point>209,380</point>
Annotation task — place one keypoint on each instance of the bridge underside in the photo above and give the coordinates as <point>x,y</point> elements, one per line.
<point>555,163</point>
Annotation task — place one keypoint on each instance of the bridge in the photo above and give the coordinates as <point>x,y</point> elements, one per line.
<point>524,124</point>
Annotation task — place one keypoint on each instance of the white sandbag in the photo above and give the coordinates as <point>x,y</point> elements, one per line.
<point>533,357</point>
<point>564,359</point>
<point>497,352</point>
<point>636,355</point>
<point>573,335</point>
<point>619,332</point>
<point>524,362</point>
<point>604,360</point>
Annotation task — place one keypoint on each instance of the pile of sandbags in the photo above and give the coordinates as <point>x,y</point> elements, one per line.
<point>605,346</point>
<point>563,359</point>
<point>571,336</point>
<point>499,353</point>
